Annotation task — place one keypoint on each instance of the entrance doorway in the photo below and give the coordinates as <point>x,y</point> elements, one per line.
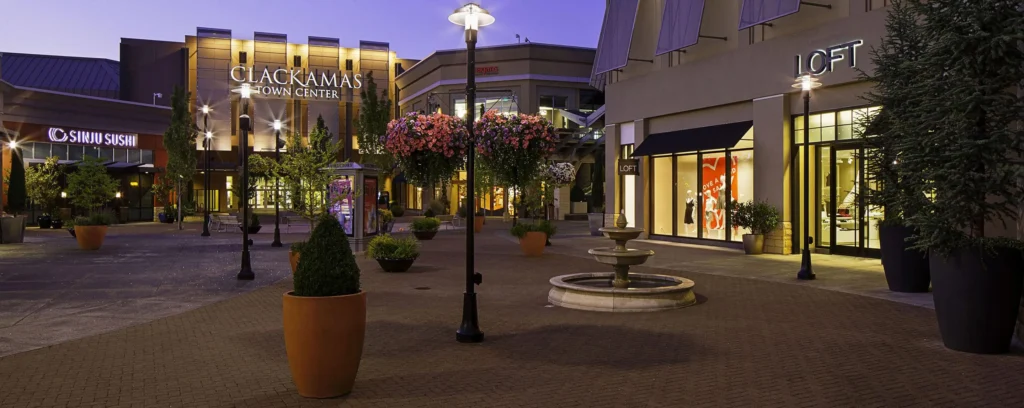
<point>847,224</point>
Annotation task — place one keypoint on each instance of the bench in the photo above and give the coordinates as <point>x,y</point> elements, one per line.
<point>446,219</point>
<point>218,221</point>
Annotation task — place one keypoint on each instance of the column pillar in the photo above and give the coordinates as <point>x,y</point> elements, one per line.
<point>611,178</point>
<point>642,182</point>
<point>772,156</point>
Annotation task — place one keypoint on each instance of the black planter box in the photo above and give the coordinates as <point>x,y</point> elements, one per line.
<point>424,235</point>
<point>977,296</point>
<point>44,221</point>
<point>906,270</point>
<point>395,265</point>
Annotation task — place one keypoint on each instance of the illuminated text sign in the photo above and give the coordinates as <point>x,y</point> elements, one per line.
<point>87,137</point>
<point>818,62</point>
<point>295,83</point>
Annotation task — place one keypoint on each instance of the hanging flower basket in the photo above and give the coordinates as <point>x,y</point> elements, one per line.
<point>427,148</point>
<point>558,174</point>
<point>512,146</point>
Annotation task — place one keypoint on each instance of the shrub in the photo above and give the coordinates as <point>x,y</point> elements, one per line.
<point>254,221</point>
<point>760,217</point>
<point>386,216</point>
<point>519,230</point>
<point>89,186</point>
<point>547,227</point>
<point>298,246</point>
<point>95,219</point>
<point>328,267</point>
<point>425,224</point>
<point>385,246</point>
<point>436,207</point>
<point>397,209</point>
<point>429,213</point>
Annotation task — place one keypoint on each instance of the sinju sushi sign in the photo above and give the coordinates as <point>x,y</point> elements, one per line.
<point>295,83</point>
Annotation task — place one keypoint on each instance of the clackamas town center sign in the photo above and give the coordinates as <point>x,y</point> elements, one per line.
<point>295,83</point>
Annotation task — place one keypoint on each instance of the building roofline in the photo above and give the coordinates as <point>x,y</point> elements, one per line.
<point>2,53</point>
<point>95,98</point>
<point>493,47</point>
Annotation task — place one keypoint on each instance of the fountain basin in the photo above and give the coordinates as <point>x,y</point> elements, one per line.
<point>622,234</point>
<point>612,256</point>
<point>647,292</point>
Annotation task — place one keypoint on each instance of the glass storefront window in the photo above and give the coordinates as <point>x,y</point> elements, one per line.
<point>41,150</point>
<point>662,191</point>
<point>688,196</point>
<point>714,195</point>
<point>742,183</point>
<point>502,104</point>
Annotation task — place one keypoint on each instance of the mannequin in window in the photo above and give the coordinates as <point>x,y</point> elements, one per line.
<point>720,203</point>
<point>689,227</point>
<point>709,211</point>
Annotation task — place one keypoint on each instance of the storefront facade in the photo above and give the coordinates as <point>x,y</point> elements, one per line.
<point>45,123</point>
<point>545,79</point>
<point>294,83</point>
<point>717,122</point>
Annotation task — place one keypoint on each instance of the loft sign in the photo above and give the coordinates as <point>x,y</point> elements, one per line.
<point>629,167</point>
<point>820,61</point>
<point>295,83</point>
<point>76,136</point>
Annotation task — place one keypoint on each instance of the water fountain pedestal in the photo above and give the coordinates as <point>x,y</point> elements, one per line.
<point>621,291</point>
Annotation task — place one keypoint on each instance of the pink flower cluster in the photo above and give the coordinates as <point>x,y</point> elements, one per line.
<point>434,133</point>
<point>496,132</point>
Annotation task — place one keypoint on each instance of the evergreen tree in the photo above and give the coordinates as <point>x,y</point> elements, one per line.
<point>966,148</point>
<point>180,143</point>
<point>372,123</point>
<point>16,195</point>
<point>328,267</point>
<point>885,132</point>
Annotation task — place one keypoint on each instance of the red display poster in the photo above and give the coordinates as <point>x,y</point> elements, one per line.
<point>369,206</point>
<point>713,191</point>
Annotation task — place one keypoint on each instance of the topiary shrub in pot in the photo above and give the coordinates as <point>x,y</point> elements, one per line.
<point>760,218</point>
<point>425,228</point>
<point>325,315</point>
<point>393,254</point>
<point>253,225</point>
<point>397,210</point>
<point>531,238</point>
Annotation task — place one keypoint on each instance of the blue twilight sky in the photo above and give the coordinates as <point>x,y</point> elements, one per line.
<point>415,28</point>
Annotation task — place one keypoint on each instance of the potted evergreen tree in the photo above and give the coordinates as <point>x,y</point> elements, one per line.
<point>91,188</point>
<point>758,216</point>
<point>325,315</point>
<point>966,150</point>
<point>896,69</point>
<point>393,254</point>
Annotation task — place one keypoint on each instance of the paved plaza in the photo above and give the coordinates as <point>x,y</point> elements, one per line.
<point>176,330</point>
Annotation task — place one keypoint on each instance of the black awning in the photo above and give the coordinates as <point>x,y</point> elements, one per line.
<point>691,140</point>
<point>400,178</point>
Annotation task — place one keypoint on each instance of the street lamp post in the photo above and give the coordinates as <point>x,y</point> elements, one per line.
<point>277,192</point>
<point>806,83</point>
<point>243,151</point>
<point>10,145</point>
<point>472,17</point>
<point>207,137</point>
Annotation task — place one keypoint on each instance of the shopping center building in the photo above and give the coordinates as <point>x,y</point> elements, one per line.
<point>702,98</point>
<point>70,108</point>
<point>532,78</point>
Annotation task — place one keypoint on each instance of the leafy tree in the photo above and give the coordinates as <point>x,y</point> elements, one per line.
<point>89,186</point>
<point>16,195</point>
<point>967,150</point>
<point>261,168</point>
<point>180,143</point>
<point>372,123</point>
<point>304,170</point>
<point>43,184</point>
<point>897,69</point>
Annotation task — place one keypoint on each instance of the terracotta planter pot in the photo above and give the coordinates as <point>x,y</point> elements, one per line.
<point>293,260</point>
<point>395,265</point>
<point>533,243</point>
<point>90,237</point>
<point>478,223</point>
<point>424,235</point>
<point>324,340</point>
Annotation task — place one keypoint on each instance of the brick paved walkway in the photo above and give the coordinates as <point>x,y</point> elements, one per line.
<point>749,343</point>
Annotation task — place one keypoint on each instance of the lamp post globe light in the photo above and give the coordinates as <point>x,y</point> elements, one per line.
<point>244,122</point>
<point>277,192</point>
<point>10,145</point>
<point>806,83</point>
<point>472,17</point>
<point>207,138</point>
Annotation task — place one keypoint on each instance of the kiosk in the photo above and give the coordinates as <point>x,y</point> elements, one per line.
<point>352,198</point>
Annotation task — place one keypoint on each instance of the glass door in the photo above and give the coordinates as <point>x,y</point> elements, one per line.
<point>853,222</point>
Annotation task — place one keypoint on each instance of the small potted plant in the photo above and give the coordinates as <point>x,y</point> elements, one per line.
<point>90,231</point>
<point>324,316</point>
<point>71,227</point>
<point>548,229</point>
<point>397,210</point>
<point>293,255</point>
<point>253,225</point>
<point>168,215</point>
<point>478,220</point>
<point>57,223</point>
<point>387,220</point>
<point>393,254</point>
<point>44,221</point>
<point>425,228</point>
<point>758,216</point>
<point>531,238</point>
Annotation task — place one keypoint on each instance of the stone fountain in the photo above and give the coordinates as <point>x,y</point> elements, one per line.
<point>621,291</point>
